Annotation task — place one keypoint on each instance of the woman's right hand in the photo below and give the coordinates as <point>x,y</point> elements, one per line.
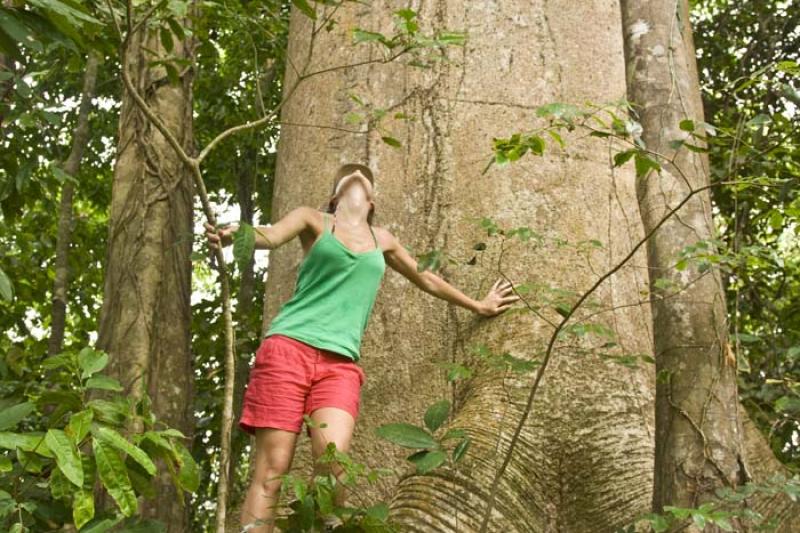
<point>223,235</point>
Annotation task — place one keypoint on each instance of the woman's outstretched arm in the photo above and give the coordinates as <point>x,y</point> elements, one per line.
<point>397,257</point>
<point>269,237</point>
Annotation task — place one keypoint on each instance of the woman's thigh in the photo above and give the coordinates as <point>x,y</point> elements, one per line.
<point>339,425</point>
<point>274,453</point>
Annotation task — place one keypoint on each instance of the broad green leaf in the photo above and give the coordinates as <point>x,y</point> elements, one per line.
<point>378,511</point>
<point>29,442</point>
<point>91,361</point>
<point>304,6</point>
<point>644,164</point>
<point>189,472</point>
<point>82,508</point>
<point>406,435</point>
<point>114,476</point>
<point>113,438</point>
<point>166,39</point>
<point>11,416</point>
<point>57,361</point>
<point>244,243</point>
<point>112,412</point>
<point>60,487</point>
<point>426,461</point>
<point>75,16</point>
<point>103,382</point>
<point>361,36</point>
<point>66,455</point>
<point>436,414</point>
<point>78,425</point>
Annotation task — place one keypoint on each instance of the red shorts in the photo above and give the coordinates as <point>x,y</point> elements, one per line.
<point>291,378</point>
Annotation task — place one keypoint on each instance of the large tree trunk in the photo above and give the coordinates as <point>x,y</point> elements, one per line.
<point>584,460</point>
<point>145,318</point>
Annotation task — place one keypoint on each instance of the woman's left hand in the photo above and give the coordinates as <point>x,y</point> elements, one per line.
<point>498,299</point>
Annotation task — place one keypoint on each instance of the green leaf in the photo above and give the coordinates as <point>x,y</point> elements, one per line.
<point>454,433</point>
<point>11,416</point>
<point>303,6</point>
<point>114,476</point>
<point>79,424</point>
<point>61,176</point>
<point>436,414</point>
<point>426,461</point>
<point>25,441</point>
<point>563,310</point>
<point>113,438</point>
<point>362,36</point>
<point>406,435</point>
<point>244,243</point>
<point>391,141</point>
<point>91,361</point>
<point>66,455</point>
<point>378,511</point>
<point>103,382</point>
<point>166,39</point>
<point>176,28</point>
<point>6,287</point>
<point>189,472</point>
<point>644,164</point>
<point>622,157</point>
<point>687,125</point>
<point>74,16</point>
<point>460,449</point>
<point>111,412</point>
<point>82,507</point>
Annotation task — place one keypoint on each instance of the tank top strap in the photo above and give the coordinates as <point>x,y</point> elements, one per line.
<point>373,236</point>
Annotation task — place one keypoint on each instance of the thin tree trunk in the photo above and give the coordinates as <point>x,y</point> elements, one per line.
<point>698,429</point>
<point>244,193</point>
<point>145,319</point>
<point>71,166</point>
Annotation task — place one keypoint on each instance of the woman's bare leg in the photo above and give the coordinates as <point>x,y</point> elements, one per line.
<point>340,425</point>
<point>274,453</point>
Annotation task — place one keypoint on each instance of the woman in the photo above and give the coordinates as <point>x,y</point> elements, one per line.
<point>307,361</point>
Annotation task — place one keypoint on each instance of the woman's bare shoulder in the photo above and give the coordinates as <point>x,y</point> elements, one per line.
<point>385,237</point>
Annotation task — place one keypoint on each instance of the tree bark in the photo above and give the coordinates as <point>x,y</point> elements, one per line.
<point>145,318</point>
<point>65,221</point>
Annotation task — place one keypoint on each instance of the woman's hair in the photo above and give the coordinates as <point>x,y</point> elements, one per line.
<point>346,170</point>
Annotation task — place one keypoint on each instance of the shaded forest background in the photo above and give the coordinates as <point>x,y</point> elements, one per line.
<point>739,47</point>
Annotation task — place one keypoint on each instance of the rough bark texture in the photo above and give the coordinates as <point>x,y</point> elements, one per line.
<point>71,166</point>
<point>145,319</point>
<point>584,462</point>
<point>698,437</point>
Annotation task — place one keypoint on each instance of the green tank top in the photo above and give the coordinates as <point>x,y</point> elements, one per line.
<point>333,295</point>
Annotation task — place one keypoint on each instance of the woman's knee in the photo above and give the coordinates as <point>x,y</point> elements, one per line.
<point>270,479</point>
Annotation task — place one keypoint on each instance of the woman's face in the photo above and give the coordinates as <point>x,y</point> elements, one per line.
<point>347,187</point>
